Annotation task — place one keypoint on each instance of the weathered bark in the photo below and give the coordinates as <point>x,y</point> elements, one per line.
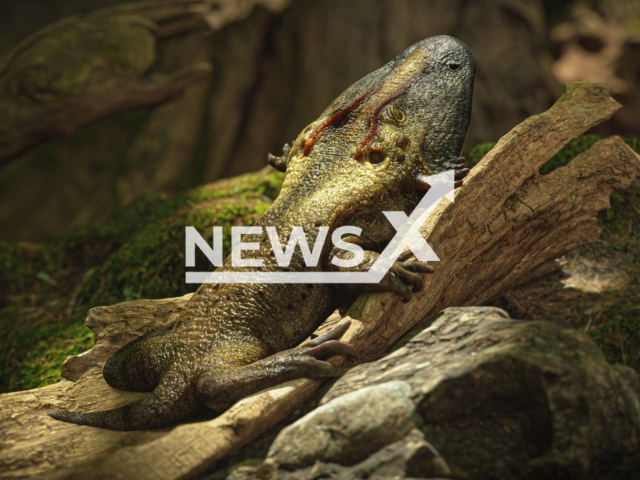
<point>506,227</point>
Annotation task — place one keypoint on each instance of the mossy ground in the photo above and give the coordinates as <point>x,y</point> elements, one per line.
<point>48,289</point>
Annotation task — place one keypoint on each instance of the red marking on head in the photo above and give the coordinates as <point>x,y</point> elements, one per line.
<point>374,122</point>
<point>421,147</point>
<point>336,117</point>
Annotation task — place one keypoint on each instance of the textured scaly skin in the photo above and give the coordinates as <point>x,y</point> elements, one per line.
<point>368,152</point>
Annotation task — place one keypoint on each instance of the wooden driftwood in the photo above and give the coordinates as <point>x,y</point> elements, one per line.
<point>507,226</point>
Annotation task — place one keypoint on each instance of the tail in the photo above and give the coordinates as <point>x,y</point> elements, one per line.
<point>167,405</point>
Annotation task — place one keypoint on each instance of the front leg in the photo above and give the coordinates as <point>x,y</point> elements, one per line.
<point>456,163</point>
<point>221,385</point>
<point>403,278</point>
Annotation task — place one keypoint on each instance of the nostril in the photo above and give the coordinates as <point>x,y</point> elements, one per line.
<point>376,156</point>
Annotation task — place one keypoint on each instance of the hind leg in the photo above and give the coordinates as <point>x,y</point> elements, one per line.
<point>140,364</point>
<point>220,386</point>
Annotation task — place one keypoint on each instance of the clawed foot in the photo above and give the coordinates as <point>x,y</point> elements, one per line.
<point>404,274</point>
<point>280,163</point>
<point>456,164</point>
<point>307,359</point>
<point>461,171</point>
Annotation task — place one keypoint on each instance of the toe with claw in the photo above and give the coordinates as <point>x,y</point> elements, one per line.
<point>404,277</point>
<point>309,359</point>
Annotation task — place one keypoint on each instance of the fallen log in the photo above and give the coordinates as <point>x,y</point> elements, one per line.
<point>507,226</point>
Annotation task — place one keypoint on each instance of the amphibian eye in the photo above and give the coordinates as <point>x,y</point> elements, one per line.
<point>454,66</point>
<point>397,114</point>
<point>376,156</point>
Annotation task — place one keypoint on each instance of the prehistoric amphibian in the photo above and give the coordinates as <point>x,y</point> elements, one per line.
<point>368,152</point>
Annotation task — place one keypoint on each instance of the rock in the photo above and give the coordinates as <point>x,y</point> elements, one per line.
<point>497,397</point>
<point>411,456</point>
<point>348,428</point>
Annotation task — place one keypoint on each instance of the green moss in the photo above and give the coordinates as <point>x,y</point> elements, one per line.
<point>49,346</point>
<point>147,239</point>
<point>22,263</point>
<point>568,152</point>
<point>476,154</point>
<point>151,263</point>
<point>619,335</point>
<point>48,289</point>
<point>92,243</point>
<point>86,56</point>
<point>622,220</point>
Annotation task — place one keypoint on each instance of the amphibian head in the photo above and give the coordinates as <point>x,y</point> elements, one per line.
<point>406,120</point>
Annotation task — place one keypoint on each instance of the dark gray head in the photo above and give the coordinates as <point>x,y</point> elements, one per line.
<point>439,98</point>
<point>406,119</point>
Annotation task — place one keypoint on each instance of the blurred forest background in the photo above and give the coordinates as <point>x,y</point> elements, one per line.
<point>276,65</point>
<point>115,120</point>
